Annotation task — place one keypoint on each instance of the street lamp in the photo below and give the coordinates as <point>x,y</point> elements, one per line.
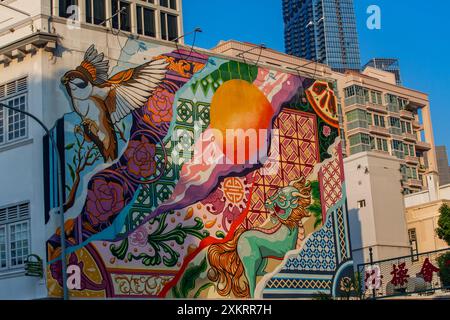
<point>60,194</point>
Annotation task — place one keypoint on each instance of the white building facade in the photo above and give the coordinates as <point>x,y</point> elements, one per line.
<point>40,41</point>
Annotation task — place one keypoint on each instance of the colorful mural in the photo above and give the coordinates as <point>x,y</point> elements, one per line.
<point>191,176</point>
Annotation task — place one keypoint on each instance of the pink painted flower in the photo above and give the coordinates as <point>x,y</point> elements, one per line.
<point>139,237</point>
<point>104,200</point>
<point>160,105</point>
<point>214,202</point>
<point>141,158</point>
<point>326,131</point>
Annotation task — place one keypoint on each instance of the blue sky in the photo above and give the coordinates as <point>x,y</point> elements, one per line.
<point>415,31</point>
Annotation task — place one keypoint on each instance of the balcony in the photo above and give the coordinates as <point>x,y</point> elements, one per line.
<point>393,108</point>
<point>415,183</point>
<point>377,108</point>
<point>405,114</point>
<point>396,131</point>
<point>423,146</point>
<point>410,137</point>
<point>398,154</point>
<point>379,130</point>
<point>357,125</point>
<point>422,169</point>
<point>417,125</point>
<point>355,101</point>
<point>412,160</point>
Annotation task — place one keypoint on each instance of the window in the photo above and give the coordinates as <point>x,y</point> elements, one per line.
<point>350,92</point>
<point>95,11</point>
<point>408,127</point>
<point>390,98</point>
<point>64,8</point>
<point>14,236</point>
<point>394,122</point>
<point>13,125</point>
<point>145,21</point>
<point>382,145</point>
<point>379,121</point>
<point>362,204</point>
<point>121,21</point>
<point>402,103</point>
<point>397,145</point>
<point>172,4</point>
<point>375,97</point>
<point>169,26</point>
<point>412,153</point>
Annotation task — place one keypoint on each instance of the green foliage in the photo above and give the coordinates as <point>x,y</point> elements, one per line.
<point>444,269</point>
<point>160,242</point>
<point>187,283</point>
<point>316,207</point>
<point>322,296</point>
<point>357,286</point>
<point>443,231</point>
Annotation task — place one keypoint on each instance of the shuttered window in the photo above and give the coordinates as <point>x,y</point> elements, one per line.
<point>14,236</point>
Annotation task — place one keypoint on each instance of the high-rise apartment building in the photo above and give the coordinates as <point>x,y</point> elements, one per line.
<point>386,64</point>
<point>322,31</point>
<point>378,115</point>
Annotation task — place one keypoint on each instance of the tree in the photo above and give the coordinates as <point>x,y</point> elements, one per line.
<point>443,231</point>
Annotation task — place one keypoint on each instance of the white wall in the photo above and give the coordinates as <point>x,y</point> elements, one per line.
<point>419,198</point>
<point>381,225</point>
<point>21,166</point>
<point>22,178</point>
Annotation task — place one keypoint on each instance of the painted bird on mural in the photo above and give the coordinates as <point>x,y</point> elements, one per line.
<point>102,101</point>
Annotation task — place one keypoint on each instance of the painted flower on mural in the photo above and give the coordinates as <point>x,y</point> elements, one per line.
<point>141,158</point>
<point>326,131</point>
<point>159,107</point>
<point>104,200</point>
<point>229,200</point>
<point>139,237</point>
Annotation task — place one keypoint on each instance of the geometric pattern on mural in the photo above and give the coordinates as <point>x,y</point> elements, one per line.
<point>318,260</point>
<point>331,178</point>
<point>298,153</point>
<point>342,236</point>
<point>318,254</point>
<point>187,114</point>
<point>279,283</point>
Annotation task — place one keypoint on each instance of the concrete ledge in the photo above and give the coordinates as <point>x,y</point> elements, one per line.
<point>17,144</point>
<point>12,274</point>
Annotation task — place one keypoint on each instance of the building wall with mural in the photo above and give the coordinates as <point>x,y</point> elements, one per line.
<point>188,175</point>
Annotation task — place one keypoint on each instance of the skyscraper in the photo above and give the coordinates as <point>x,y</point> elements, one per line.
<point>323,31</point>
<point>443,167</point>
<point>391,65</point>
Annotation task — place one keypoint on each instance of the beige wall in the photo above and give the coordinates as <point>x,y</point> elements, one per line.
<point>424,218</point>
<point>381,224</point>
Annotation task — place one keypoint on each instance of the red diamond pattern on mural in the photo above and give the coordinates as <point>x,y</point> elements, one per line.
<point>331,177</point>
<point>289,149</point>
<point>298,150</point>
<point>306,129</point>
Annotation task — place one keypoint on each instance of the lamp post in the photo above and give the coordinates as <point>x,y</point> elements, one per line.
<point>60,194</point>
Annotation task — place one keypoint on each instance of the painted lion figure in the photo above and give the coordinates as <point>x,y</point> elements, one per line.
<point>234,265</point>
